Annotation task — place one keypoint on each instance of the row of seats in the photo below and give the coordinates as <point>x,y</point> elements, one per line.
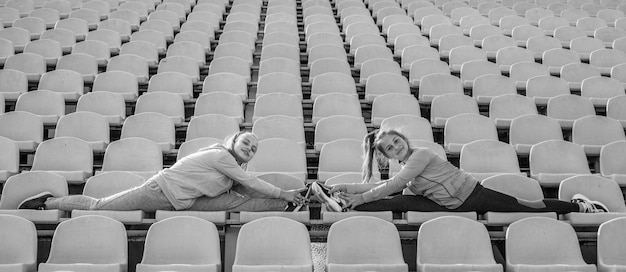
<point>25,184</point>
<point>357,243</point>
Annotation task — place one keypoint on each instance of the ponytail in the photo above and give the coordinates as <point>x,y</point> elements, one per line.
<point>368,152</point>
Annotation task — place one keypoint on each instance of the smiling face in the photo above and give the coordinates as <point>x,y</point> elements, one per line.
<point>394,147</point>
<point>245,147</point>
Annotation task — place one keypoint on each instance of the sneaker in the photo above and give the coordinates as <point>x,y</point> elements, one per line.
<point>590,206</point>
<point>296,208</point>
<point>35,202</point>
<point>333,202</point>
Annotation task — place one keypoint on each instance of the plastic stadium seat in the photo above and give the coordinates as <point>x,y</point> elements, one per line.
<point>222,103</point>
<point>471,70</point>
<point>540,44</point>
<point>386,83</point>
<point>86,65</point>
<point>498,12</point>
<point>609,34</point>
<point>504,108</point>
<point>102,7</point>
<point>479,32</point>
<point>211,125</point>
<point>153,126</point>
<point>34,25</point>
<point>88,126</point>
<point>458,13</point>
<point>69,157</point>
<point>464,242</point>
<point>183,64</point>
<point>97,49</point>
<point>226,82</point>
<point>610,241</point>
<point>529,239</point>
<point>365,39</point>
<point>160,241</point>
<point>323,38</point>
<point>242,26</point>
<point>23,185</point>
<point>133,154</point>
<point>9,15</point>
<point>77,26</point>
<point>25,128</point>
<point>492,44</point>
<point>65,82</point>
<point>132,15</point>
<point>161,26</point>
<point>391,104</point>
<point>153,36</point>
<point>567,108</point>
<point>232,65</point>
<point>10,159</point>
<point>136,65</point>
<point>438,84</point>
<point>290,51</point>
<point>257,237</point>
<point>279,82</point>
<point>192,146</point>
<point>585,45</point>
<point>605,59</point>
<point>20,244</point>
<point>576,73</point>
<point>238,36</point>
<point>465,128</point>
<point>281,38</point>
<point>506,57</point>
<point>590,24</point>
<point>551,23</point>
<point>329,65</point>
<point>122,27</point>
<point>619,72</point>
<point>33,65</point>
<point>597,188</point>
<point>63,6</point>
<point>49,49</point>
<point>519,186</point>
<point>507,23</point>
<point>528,130</point>
<point>466,23</point>
<point>488,86</point>
<point>324,51</point>
<point>13,83</point>
<point>145,49</point>
<point>280,126</point>
<point>615,109</point>
<point>175,83</point>
<point>347,248</point>
<point>600,89</point>
<point>119,82</point>
<point>195,36</point>
<point>594,131</point>
<point>335,104</point>
<point>402,41</point>
<point>49,106</point>
<point>290,160</point>
<point>370,52</point>
<point>338,127</point>
<point>450,41</point>
<point>169,104</point>
<point>277,104</point>
<point>442,30</point>
<point>417,52</point>
<point>338,157</point>
<point>416,129</point>
<point>107,184</point>
<point>542,88</point>
<point>189,49</point>
<point>556,58</point>
<point>447,105</point>
<point>6,50</point>
<point>69,250</point>
<point>419,13</point>
<point>552,161</point>
<point>424,67</point>
<point>566,34</point>
<point>462,54</point>
<point>486,158</point>
<point>620,43</point>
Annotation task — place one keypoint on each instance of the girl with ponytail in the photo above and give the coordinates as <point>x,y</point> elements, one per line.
<point>437,184</point>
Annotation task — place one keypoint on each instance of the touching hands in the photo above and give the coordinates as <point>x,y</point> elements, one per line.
<point>342,188</point>
<point>294,196</point>
<point>352,200</point>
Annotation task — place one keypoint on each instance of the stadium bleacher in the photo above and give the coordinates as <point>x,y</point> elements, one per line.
<point>131,86</point>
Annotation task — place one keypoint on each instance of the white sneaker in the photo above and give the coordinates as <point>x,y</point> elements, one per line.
<point>321,192</point>
<point>590,206</point>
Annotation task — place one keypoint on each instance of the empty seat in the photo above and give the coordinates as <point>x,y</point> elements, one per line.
<point>471,70</point>
<point>391,104</point>
<point>88,126</point>
<point>226,82</point>
<point>465,128</point>
<point>448,105</point>
<point>540,44</point>
<point>386,83</point>
<point>566,34</point>
<point>256,237</point>
<point>349,245</point>
<point>464,242</point>
<point>136,65</point>
<point>605,59</point>
<point>163,26</point>
<point>192,146</point>
<point>65,82</point>
<point>279,82</point>
<point>153,126</point>
<point>492,44</point>
<point>504,108</point>
<point>211,125</point>
<point>568,107</point>
<point>593,132</point>
<point>19,249</point>
<point>585,45</point>
<point>86,65</point>
<point>556,58</point>
<point>338,127</point>
<point>153,36</point>
<point>417,52</point>
<point>277,104</point>
<point>134,154</point>
<point>595,187</point>
<point>160,241</point>
<point>169,104</point>
<point>280,155</point>
<point>34,25</point>
<point>438,84</point>
<point>119,82</point>
<point>486,158</point>
<point>13,83</point>
<point>610,241</point>
<point>69,248</point>
<point>182,64</point>
<point>25,128</point>
<point>616,110</point>
<point>528,130</point>
<point>10,159</point>
<point>49,106</point>
<point>600,89</point>
<point>49,49</point>
<point>79,27</point>
<point>508,56</point>
<point>232,65</point>
<point>69,157</point>
<point>609,34</point>
<point>552,161</point>
<point>338,157</point>
<point>33,65</point>
<point>530,238</point>
<point>488,86</point>
<point>424,67</point>
<point>542,88</point>
<point>95,48</point>
<point>280,126</point>
<point>462,54</point>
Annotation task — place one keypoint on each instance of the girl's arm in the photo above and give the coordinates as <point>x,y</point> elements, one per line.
<point>228,166</point>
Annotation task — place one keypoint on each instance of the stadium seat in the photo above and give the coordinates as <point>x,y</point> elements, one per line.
<point>597,188</point>
<point>279,82</point>
<point>566,34</point>
<point>182,64</point>
<point>615,109</point>
<point>70,248</point>
<point>519,186</point>
<point>107,184</point>
<point>9,15</point>
<point>280,126</point>
<point>167,103</point>
<point>33,65</point>
<point>448,105</point>
<point>23,185</point>
<point>351,245</point>
<point>585,45</point>
<point>88,126</point>
<point>492,44</point>
<point>465,128</point>
<point>567,108</point>
<point>153,126</point>
<point>49,49</point>
<point>277,104</point>
<point>226,82</point>
<point>165,239</point>
<point>556,58</point>
<point>122,27</point>
<point>192,146</point>
<point>391,104</point>
<point>288,240</point>
<point>471,70</point>
<point>191,35</point>
<point>278,155</point>
<point>211,125</point>
<point>528,130</point>
<point>507,56</point>
<point>10,159</point>
<point>338,157</point>
<point>504,108</point>
<point>20,244</point>
<point>338,127</point>
<point>232,65</point>
<point>13,83</point>
<point>542,88</point>
<point>97,49</point>
<point>488,86</point>
<point>417,52</point>
<point>610,241</point>
<point>386,83</point>
<point>552,161</point>
<point>49,106</point>
<point>79,27</point>
<point>427,66</point>
<point>69,157</point>
<point>508,22</point>
<point>173,83</point>
<point>34,25</point>
<point>120,82</point>
<point>402,41</point>
<point>462,54</point>
<point>594,131</point>
<point>486,158</point>
<point>65,82</point>
<point>530,239</point>
<point>551,23</point>
<point>540,44</point>
<point>465,244</point>
<point>438,84</point>
<point>479,32</point>
<point>134,154</point>
<point>133,13</point>
<point>153,36</point>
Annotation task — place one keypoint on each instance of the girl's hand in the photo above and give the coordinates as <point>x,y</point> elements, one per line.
<point>343,188</point>
<point>352,200</point>
<point>294,196</point>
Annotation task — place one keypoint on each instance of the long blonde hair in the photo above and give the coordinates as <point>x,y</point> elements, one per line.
<point>372,149</point>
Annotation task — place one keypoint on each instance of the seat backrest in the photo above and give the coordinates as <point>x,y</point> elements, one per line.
<point>211,125</point>
<point>13,83</point>
<point>133,154</point>
<point>48,105</point>
<point>19,241</point>
<point>558,156</point>
<point>22,126</point>
<point>468,127</point>
<point>64,154</point>
<point>361,240</point>
<point>611,241</point>
<point>515,185</point>
<point>452,239</point>
<point>192,146</point>
<point>437,84</point>
<point>280,126</point>
<point>9,159</point>
<point>277,104</point>
<point>336,127</point>
<point>280,155</point>
<point>172,82</point>
<point>226,82</point>
<point>597,130</point>
<point>568,107</point>
<point>412,126</point>
<point>532,129</point>
<point>540,241</point>
<point>332,82</point>
<point>72,242</point>
<point>66,82</point>
<point>24,185</point>
<point>182,240</point>
<point>167,103</point>
<point>489,156</point>
<point>510,106</point>
<point>120,82</point>
<point>109,183</point>
<point>594,187</point>
<point>611,159</point>
<point>338,157</point>
<point>385,83</point>
<point>391,104</point>
<point>134,64</point>
<point>183,64</point>
<point>279,82</point>
<point>274,241</point>
<point>447,105</point>
<point>150,125</point>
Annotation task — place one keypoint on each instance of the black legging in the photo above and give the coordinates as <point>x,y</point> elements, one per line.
<point>481,200</point>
